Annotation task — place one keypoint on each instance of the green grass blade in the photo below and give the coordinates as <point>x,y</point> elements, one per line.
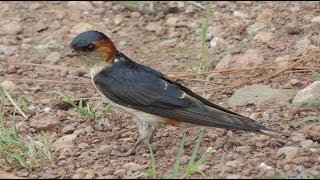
<point>306,119</point>
<point>194,153</point>
<point>178,158</point>
<point>153,162</point>
<point>203,39</point>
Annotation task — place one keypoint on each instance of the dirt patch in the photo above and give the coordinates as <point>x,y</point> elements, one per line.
<point>36,38</point>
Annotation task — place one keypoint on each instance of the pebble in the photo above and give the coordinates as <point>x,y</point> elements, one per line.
<point>68,129</point>
<point>120,172</point>
<point>83,145</point>
<point>80,5</point>
<point>290,152</point>
<point>34,6</point>
<point>89,129</point>
<point>189,9</point>
<point>45,123</point>
<point>265,116</point>
<point>293,28</point>
<point>307,144</point>
<point>282,61</point>
<point>172,21</point>
<point>135,14</point>
<point>256,27</point>
<point>46,109</point>
<point>316,19</point>
<point>11,27</point>
<point>151,26</point>
<point>263,37</point>
<point>240,14</point>
<point>51,45</point>
<point>302,44</point>
<point>105,149</point>
<point>254,116</point>
<point>8,85</point>
<point>265,167</point>
<point>169,42</point>
<point>80,27</point>
<point>132,166</point>
<point>232,163</point>
<point>53,57</point>
<point>118,19</point>
<point>309,92</point>
<point>233,176</point>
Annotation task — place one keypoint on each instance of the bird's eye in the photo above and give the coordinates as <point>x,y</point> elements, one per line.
<point>89,47</point>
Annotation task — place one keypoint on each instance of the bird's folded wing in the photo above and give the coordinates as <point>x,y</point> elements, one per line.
<point>148,91</point>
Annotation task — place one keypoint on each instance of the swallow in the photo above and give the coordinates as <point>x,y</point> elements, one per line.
<point>149,96</point>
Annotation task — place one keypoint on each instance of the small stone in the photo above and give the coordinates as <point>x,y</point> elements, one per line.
<point>172,21</point>
<point>80,27</point>
<point>169,42</point>
<point>6,50</point>
<point>151,26</point>
<point>8,85</point>
<point>294,81</point>
<point>264,137</point>
<point>251,58</point>
<point>266,16</point>
<point>293,28</point>
<point>89,129</point>
<point>265,116</point>
<point>45,123</point>
<point>135,14</point>
<point>203,167</point>
<point>233,176</point>
<point>256,27</point>
<point>290,152</point>
<point>233,164</point>
<point>34,6</point>
<point>11,27</point>
<point>12,69</point>
<point>118,19</point>
<point>46,109</point>
<point>27,40</point>
<point>180,4</point>
<point>263,37</point>
<point>316,19</point>
<point>66,140</point>
<point>80,5</point>
<point>240,14</point>
<point>283,61</point>
<point>83,145</point>
<point>302,44</point>
<point>53,57</point>
<point>238,27</point>
<point>307,144</point>
<point>264,167</point>
<point>310,92</point>
<point>51,45</point>
<point>254,116</point>
<point>105,149</point>
<point>132,166</point>
<point>189,9</point>
<point>68,129</point>
<point>120,172</point>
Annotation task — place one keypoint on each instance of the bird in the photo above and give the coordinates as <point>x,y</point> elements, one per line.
<point>148,95</point>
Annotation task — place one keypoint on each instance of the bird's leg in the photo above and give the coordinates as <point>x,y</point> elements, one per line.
<point>146,132</point>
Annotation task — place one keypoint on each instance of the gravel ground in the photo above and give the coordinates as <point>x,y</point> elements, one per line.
<point>35,38</point>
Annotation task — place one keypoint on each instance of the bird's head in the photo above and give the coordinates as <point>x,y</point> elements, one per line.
<point>94,47</point>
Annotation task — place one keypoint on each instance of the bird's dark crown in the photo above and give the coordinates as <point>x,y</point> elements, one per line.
<point>85,41</point>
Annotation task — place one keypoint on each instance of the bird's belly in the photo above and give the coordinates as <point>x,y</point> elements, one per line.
<point>138,115</point>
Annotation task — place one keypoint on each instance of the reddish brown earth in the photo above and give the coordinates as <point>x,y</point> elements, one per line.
<point>40,33</point>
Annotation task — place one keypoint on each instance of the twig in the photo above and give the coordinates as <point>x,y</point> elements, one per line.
<point>257,79</point>
<point>44,65</point>
<point>52,81</point>
<point>14,104</point>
